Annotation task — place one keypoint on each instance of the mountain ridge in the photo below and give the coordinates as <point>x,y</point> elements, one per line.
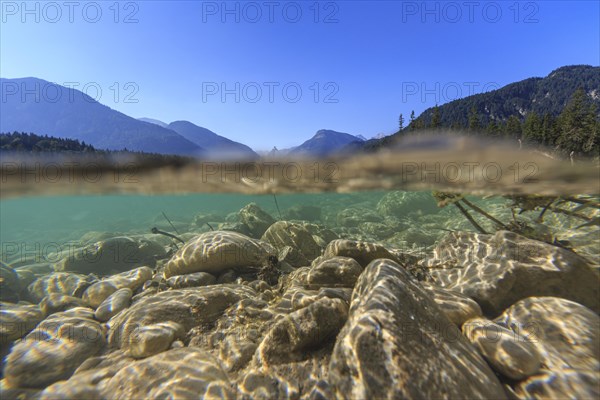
<point>73,114</point>
<point>220,146</point>
<point>548,94</point>
<point>325,142</point>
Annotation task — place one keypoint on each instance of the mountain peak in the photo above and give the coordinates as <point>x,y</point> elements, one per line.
<point>153,121</point>
<point>73,114</point>
<point>219,147</point>
<point>325,142</point>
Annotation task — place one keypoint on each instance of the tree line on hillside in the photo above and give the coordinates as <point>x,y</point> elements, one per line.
<point>576,129</point>
<point>31,143</point>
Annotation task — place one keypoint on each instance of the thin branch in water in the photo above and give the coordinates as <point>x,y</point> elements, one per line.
<point>210,226</point>
<point>569,213</point>
<point>584,203</point>
<point>155,230</point>
<point>170,223</point>
<point>485,214</point>
<point>470,218</point>
<point>277,205</point>
<point>540,217</point>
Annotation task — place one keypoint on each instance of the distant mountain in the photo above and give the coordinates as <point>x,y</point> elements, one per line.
<point>35,105</point>
<point>217,146</point>
<point>541,95</point>
<point>506,111</point>
<point>154,121</point>
<point>324,142</point>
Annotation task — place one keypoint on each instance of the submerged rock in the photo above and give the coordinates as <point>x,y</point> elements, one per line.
<point>66,283</point>
<point>37,269</point>
<point>294,336</point>
<point>457,307</point>
<point>56,302</point>
<point>114,304</point>
<point>188,307</point>
<point>377,230</point>
<point>17,320</point>
<point>149,340</point>
<point>567,337</point>
<point>256,219</point>
<point>302,248</point>
<point>87,380</point>
<point>53,351</point>
<point>10,286</point>
<point>191,280</point>
<point>564,384</point>
<point>566,334</point>
<point>498,270</point>
<point>100,291</point>
<point>112,255</point>
<point>26,278</point>
<point>334,272</point>
<point>397,343</point>
<point>363,252</point>
<point>217,251</point>
<point>507,352</point>
<point>182,373</point>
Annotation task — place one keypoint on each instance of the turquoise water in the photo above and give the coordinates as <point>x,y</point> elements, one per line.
<point>31,221</point>
<point>31,227</point>
<point>73,251</point>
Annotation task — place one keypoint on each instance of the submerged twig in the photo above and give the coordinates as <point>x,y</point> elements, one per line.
<point>584,203</point>
<point>170,223</point>
<point>277,205</point>
<point>569,213</point>
<point>155,230</point>
<point>210,226</point>
<point>592,222</point>
<point>470,218</point>
<point>485,214</point>
<point>540,217</point>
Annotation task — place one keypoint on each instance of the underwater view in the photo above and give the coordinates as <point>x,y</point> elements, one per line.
<point>299,200</point>
<point>329,294</point>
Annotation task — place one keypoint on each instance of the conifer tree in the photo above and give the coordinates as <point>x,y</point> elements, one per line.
<point>578,125</point>
<point>513,128</point>
<point>532,128</point>
<point>474,123</point>
<point>435,118</point>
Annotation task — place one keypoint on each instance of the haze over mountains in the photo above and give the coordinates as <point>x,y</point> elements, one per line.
<point>216,145</point>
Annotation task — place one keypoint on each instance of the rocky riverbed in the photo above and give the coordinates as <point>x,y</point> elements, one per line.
<point>386,299</point>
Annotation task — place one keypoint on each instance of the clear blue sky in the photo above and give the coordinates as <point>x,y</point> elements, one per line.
<point>376,58</point>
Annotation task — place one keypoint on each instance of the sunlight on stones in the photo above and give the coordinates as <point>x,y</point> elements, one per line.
<point>507,352</point>
<point>53,351</point>
<point>217,251</point>
<point>350,299</point>
<point>498,270</point>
